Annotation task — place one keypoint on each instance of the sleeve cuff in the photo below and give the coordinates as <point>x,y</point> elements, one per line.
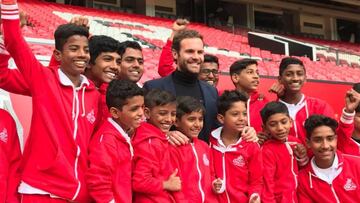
<point>347,118</point>
<point>9,12</point>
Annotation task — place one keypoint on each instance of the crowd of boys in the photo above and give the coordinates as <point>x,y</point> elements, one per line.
<point>97,136</point>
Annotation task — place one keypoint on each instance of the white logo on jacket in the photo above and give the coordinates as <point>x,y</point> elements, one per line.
<point>91,117</point>
<point>349,185</point>
<point>239,161</point>
<point>4,136</point>
<point>206,160</point>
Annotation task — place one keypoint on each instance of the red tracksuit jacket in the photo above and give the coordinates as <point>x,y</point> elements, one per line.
<point>12,80</point>
<point>255,103</point>
<point>239,166</point>
<point>311,106</point>
<point>193,162</point>
<point>345,143</point>
<point>109,174</point>
<point>280,171</point>
<point>345,188</point>
<point>152,165</point>
<point>10,158</point>
<point>55,155</point>
<point>166,61</point>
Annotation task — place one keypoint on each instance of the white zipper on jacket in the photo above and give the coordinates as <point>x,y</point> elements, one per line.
<point>292,162</point>
<point>248,111</point>
<point>76,111</point>
<point>224,177</point>
<point>199,173</point>
<point>334,193</point>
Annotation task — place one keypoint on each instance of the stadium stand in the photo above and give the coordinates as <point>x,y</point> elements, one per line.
<point>152,33</point>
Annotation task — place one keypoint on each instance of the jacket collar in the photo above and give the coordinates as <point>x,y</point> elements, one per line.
<point>64,80</point>
<point>220,146</point>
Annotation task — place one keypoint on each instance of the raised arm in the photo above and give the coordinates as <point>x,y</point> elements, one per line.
<point>12,80</point>
<point>16,45</point>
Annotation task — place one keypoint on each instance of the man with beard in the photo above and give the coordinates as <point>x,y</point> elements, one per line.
<point>188,52</point>
<point>209,69</point>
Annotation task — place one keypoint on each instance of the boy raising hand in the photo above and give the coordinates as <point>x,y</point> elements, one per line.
<point>65,106</point>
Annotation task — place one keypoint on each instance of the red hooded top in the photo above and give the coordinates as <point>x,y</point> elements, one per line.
<point>64,116</point>
<point>345,143</point>
<point>193,162</point>
<point>239,166</point>
<point>345,188</point>
<point>166,61</point>
<point>310,106</point>
<point>109,174</point>
<point>152,165</point>
<point>280,171</point>
<point>10,158</point>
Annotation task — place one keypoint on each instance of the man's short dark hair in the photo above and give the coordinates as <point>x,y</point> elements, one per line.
<point>272,108</point>
<point>128,44</point>
<point>240,65</point>
<point>315,121</point>
<point>227,99</point>
<point>119,91</point>
<point>157,97</point>
<point>186,105</point>
<point>101,43</point>
<point>184,34</point>
<point>65,31</point>
<point>208,58</point>
<point>285,62</point>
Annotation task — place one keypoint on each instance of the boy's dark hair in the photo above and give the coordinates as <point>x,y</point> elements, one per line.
<point>65,31</point>
<point>228,98</point>
<point>240,65</point>
<point>272,108</point>
<point>128,44</point>
<point>157,97</point>
<point>119,91</point>
<point>101,43</point>
<point>184,34</point>
<point>208,58</point>
<point>315,121</point>
<point>285,62</point>
<point>356,87</point>
<point>186,105</point>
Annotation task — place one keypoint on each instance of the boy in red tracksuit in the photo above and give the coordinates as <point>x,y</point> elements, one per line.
<point>245,76</point>
<point>280,155</point>
<point>154,179</point>
<point>349,142</point>
<point>192,159</point>
<point>65,106</point>
<point>331,175</point>
<point>237,163</point>
<point>292,77</point>
<point>110,151</point>
<point>10,158</point>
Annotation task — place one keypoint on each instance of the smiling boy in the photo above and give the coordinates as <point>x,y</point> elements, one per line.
<point>245,76</point>
<point>110,150</point>
<point>331,176</point>
<point>65,106</point>
<point>154,179</point>
<point>292,75</point>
